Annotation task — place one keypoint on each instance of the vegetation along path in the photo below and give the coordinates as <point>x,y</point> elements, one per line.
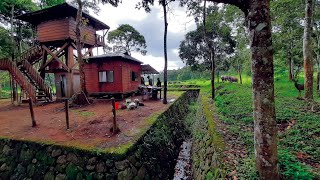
<point>298,127</point>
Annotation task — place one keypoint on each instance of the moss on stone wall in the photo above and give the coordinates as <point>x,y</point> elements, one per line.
<point>207,144</point>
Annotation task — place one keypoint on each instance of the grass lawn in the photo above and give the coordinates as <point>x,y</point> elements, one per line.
<point>299,126</point>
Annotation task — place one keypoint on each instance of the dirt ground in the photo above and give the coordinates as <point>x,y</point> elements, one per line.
<point>89,125</point>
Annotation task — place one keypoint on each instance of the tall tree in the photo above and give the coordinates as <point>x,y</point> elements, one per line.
<point>164,4</point>
<point>307,51</point>
<point>288,28</point>
<point>126,39</point>
<point>258,21</point>
<point>316,37</point>
<point>79,46</point>
<point>8,10</point>
<point>235,18</point>
<point>195,51</point>
<point>210,47</point>
<point>5,43</point>
<point>83,4</point>
<point>20,6</point>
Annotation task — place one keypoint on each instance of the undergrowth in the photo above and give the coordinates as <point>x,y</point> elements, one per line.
<point>301,126</point>
<point>234,103</point>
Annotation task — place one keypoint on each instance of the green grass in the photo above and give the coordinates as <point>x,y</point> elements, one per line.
<point>234,103</point>
<point>84,114</point>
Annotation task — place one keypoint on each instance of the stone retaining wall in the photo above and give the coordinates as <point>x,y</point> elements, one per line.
<point>151,157</point>
<point>207,145</point>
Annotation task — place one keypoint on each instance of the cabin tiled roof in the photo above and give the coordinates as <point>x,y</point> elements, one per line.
<point>58,12</point>
<point>147,69</point>
<point>112,56</point>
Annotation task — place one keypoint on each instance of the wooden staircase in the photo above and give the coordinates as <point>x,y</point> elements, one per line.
<point>32,55</point>
<point>43,90</point>
<point>26,76</point>
<point>18,76</point>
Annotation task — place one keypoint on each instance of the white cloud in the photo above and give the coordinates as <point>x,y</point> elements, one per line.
<point>151,25</point>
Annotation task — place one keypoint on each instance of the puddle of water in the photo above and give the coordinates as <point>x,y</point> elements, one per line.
<point>183,166</point>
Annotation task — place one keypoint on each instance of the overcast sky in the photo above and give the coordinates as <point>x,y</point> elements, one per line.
<point>151,26</point>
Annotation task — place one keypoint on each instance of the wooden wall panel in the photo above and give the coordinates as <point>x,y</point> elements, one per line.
<point>127,83</point>
<point>53,30</point>
<point>87,32</point>
<point>122,77</point>
<point>63,29</point>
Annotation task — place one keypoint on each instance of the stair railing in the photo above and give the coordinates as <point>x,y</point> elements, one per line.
<point>17,75</point>
<point>37,78</point>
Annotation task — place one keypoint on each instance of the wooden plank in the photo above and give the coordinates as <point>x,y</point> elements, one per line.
<point>44,60</point>
<point>67,112</point>
<point>34,123</point>
<point>54,56</point>
<point>115,128</point>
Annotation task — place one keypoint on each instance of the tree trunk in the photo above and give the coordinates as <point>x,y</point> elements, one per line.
<point>240,76</point>
<point>265,126</point>
<point>14,84</point>
<point>318,82</point>
<point>210,47</point>
<point>165,73</point>
<point>318,75</point>
<point>291,74</point>
<point>292,69</point>
<point>212,74</point>
<point>307,51</point>
<point>290,62</point>
<point>218,79</point>
<point>79,47</point>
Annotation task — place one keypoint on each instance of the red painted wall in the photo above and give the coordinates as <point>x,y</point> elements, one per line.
<point>122,76</point>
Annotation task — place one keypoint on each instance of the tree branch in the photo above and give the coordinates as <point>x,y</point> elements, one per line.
<point>241,4</point>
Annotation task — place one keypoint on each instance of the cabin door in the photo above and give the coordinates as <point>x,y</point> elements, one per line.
<point>63,85</point>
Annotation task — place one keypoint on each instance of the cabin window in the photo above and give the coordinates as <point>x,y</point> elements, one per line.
<point>110,76</point>
<point>134,76</point>
<point>103,76</point>
<point>106,76</point>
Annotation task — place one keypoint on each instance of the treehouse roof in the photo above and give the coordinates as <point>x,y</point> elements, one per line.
<point>112,56</point>
<point>58,12</point>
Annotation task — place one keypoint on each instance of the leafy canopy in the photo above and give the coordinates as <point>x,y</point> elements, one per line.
<point>127,39</point>
<point>20,6</point>
<point>195,51</point>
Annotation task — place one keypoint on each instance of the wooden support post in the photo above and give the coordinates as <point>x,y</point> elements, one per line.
<point>66,102</point>
<point>44,61</point>
<point>69,76</point>
<point>34,124</point>
<point>115,127</point>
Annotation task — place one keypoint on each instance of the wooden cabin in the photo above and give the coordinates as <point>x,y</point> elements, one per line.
<point>112,74</point>
<point>56,39</point>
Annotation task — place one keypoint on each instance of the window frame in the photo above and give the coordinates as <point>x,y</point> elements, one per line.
<point>99,77</point>
<point>106,72</point>
<point>136,76</point>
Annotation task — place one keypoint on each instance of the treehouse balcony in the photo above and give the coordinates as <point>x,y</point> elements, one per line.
<point>100,40</point>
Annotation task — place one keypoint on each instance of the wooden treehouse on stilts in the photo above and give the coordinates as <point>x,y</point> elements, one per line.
<point>54,52</point>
